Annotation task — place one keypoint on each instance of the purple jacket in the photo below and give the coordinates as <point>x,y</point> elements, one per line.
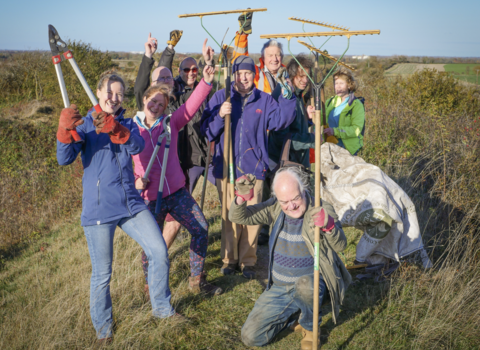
<point>251,117</point>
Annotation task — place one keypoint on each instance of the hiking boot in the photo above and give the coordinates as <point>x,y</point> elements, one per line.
<point>248,272</point>
<point>199,284</point>
<point>228,269</point>
<point>103,343</point>
<point>296,327</point>
<point>307,342</point>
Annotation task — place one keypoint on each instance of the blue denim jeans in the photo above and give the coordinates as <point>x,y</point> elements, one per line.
<point>278,308</point>
<point>144,230</point>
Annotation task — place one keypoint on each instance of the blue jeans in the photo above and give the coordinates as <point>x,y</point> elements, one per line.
<point>278,308</point>
<point>144,230</point>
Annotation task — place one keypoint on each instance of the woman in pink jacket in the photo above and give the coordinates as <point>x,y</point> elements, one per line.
<point>176,199</point>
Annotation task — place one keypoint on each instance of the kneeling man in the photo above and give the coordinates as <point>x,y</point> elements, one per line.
<point>288,299</point>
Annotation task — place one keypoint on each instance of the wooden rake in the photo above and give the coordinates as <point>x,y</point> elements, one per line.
<point>228,182</point>
<point>317,89</point>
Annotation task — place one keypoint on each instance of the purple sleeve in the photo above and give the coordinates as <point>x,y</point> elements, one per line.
<point>212,124</point>
<point>282,114</point>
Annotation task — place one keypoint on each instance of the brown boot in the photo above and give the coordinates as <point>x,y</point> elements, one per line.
<point>199,284</point>
<point>296,327</point>
<point>307,341</point>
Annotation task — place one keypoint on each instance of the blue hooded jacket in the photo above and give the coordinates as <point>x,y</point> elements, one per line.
<point>251,117</point>
<point>108,182</point>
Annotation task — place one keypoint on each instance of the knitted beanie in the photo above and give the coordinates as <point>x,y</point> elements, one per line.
<point>244,62</point>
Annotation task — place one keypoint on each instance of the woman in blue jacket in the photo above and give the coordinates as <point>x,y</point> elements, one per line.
<point>110,199</point>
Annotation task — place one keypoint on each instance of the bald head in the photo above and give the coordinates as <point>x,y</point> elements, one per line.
<point>284,181</point>
<point>188,62</point>
<point>162,75</point>
<point>289,188</point>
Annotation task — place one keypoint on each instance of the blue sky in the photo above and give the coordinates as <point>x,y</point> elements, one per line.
<point>414,28</point>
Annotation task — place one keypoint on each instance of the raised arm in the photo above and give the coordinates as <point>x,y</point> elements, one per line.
<point>188,110</point>
<point>241,37</point>
<point>143,76</point>
<point>67,149</point>
<point>169,53</point>
<point>257,214</point>
<point>282,114</point>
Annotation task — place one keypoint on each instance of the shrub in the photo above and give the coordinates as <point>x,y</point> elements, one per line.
<point>31,75</point>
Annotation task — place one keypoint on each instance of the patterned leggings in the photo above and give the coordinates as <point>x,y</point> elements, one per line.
<point>186,211</point>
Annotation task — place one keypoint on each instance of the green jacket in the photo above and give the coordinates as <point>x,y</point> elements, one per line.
<point>332,269</point>
<point>351,123</point>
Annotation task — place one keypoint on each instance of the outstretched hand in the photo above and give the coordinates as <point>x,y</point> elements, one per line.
<point>150,46</point>
<point>208,74</point>
<point>208,53</point>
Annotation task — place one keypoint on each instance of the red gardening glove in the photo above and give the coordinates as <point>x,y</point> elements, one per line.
<point>69,120</point>
<point>244,186</point>
<point>106,123</point>
<point>323,220</point>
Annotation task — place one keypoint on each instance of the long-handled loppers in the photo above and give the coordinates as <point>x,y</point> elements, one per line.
<point>167,135</point>
<point>57,45</point>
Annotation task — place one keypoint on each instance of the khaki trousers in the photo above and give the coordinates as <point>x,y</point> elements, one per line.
<point>246,235</point>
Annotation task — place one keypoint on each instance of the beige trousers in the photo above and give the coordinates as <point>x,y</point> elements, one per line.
<point>246,235</point>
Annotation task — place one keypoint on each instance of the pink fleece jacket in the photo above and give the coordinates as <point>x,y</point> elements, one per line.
<point>174,178</point>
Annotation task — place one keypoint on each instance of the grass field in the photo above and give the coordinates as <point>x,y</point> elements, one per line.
<point>410,68</point>
<point>461,72</point>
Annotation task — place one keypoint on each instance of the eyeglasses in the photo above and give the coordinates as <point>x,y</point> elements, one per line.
<point>164,79</point>
<point>293,201</point>
<point>187,70</point>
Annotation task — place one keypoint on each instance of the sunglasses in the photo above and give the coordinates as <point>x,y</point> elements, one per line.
<point>187,70</point>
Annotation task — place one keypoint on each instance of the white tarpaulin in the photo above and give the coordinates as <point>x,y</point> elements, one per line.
<point>365,197</point>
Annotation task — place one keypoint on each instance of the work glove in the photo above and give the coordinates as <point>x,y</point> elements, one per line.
<point>106,123</point>
<point>70,118</point>
<point>282,76</point>
<point>245,25</point>
<point>321,219</point>
<point>330,138</point>
<point>244,186</point>
<point>175,36</point>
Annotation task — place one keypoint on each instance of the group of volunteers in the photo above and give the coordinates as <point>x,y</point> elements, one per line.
<point>265,112</point>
